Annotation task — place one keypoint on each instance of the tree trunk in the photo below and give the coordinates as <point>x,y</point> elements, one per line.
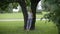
<point>24,10</point>
<point>33,8</point>
<point>58,26</point>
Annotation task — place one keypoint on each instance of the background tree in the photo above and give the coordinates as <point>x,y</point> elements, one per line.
<point>3,6</point>
<point>9,8</point>
<point>53,6</point>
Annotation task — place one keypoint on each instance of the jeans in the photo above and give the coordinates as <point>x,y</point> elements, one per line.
<point>29,22</point>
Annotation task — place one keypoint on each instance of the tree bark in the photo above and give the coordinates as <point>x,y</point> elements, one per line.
<point>24,10</point>
<point>33,8</point>
<point>58,26</point>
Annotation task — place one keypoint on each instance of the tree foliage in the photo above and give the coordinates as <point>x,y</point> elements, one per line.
<point>53,6</point>
<point>4,5</point>
<point>28,3</point>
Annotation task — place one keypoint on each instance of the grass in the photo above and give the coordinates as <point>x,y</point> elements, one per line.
<point>11,15</point>
<point>16,27</point>
<point>38,15</point>
<point>18,15</point>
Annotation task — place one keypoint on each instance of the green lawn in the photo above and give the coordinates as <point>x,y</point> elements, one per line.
<point>16,27</point>
<point>38,15</point>
<point>18,15</point>
<point>11,15</point>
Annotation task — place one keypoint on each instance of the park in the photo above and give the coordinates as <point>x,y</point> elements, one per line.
<point>45,21</point>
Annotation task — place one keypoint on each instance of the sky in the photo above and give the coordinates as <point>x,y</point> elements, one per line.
<point>39,6</point>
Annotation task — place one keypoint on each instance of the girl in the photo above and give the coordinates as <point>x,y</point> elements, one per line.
<point>29,21</point>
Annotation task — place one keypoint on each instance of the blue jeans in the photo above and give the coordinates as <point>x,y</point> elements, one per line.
<point>29,22</point>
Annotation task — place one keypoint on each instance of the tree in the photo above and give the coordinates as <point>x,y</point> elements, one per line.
<point>24,10</point>
<point>53,6</point>
<point>33,5</point>
<point>33,8</point>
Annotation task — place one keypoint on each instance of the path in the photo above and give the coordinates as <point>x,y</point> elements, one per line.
<point>16,19</point>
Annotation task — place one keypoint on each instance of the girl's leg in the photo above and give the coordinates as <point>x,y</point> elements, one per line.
<point>30,22</point>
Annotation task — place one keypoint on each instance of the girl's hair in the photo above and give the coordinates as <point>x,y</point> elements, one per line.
<point>30,10</point>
